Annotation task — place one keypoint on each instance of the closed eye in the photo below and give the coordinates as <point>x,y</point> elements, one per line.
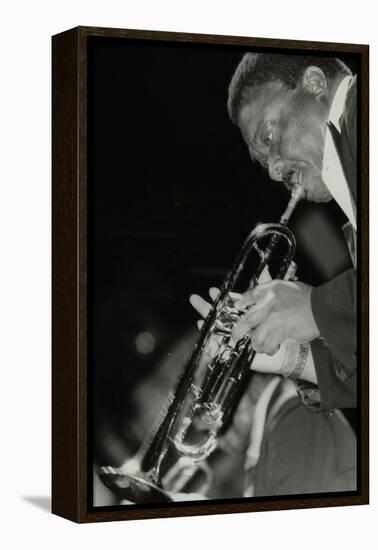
<point>263,138</point>
<point>268,137</point>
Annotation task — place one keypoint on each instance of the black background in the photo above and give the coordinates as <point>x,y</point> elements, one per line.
<point>172,195</point>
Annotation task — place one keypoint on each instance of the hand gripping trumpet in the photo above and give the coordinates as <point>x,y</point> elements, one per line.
<point>212,383</point>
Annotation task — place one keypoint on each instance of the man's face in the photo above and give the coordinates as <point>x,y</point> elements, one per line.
<point>285,131</point>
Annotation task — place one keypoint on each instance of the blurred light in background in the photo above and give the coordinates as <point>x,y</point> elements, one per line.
<point>145,343</point>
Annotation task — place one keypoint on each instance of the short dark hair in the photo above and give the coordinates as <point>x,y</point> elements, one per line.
<point>256,69</point>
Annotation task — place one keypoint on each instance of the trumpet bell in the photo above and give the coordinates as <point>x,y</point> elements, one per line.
<point>134,488</point>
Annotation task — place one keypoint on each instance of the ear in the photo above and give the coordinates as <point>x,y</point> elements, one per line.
<point>314,81</point>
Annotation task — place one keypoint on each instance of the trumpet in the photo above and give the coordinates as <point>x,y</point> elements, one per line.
<point>212,383</point>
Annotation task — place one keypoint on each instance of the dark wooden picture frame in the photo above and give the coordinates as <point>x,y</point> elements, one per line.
<point>71,473</point>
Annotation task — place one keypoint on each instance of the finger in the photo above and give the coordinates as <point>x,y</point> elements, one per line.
<point>252,318</point>
<point>214,293</point>
<point>246,324</point>
<point>255,295</point>
<point>269,347</point>
<point>212,346</point>
<point>200,305</point>
<point>258,338</point>
<point>235,295</point>
<point>264,339</point>
<point>246,300</point>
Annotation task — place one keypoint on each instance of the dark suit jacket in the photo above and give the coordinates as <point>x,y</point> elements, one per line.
<point>334,303</point>
<point>306,453</point>
<point>300,453</point>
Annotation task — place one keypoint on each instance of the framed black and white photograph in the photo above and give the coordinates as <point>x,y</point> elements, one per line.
<point>210,274</point>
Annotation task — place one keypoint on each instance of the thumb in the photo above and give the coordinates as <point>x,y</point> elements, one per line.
<point>200,305</point>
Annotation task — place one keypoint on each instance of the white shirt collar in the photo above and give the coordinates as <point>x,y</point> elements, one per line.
<point>333,173</point>
<point>338,102</point>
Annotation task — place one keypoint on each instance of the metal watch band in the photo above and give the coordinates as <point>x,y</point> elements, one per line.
<point>300,362</point>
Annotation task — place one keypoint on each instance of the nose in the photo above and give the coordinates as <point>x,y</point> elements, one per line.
<point>276,169</point>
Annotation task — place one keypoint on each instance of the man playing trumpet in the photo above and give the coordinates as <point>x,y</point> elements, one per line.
<point>297,116</point>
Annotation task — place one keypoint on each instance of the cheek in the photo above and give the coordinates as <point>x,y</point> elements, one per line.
<point>303,141</point>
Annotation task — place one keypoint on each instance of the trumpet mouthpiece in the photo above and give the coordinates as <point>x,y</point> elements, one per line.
<point>297,193</point>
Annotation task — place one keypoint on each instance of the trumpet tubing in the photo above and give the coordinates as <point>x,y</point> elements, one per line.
<point>214,377</point>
